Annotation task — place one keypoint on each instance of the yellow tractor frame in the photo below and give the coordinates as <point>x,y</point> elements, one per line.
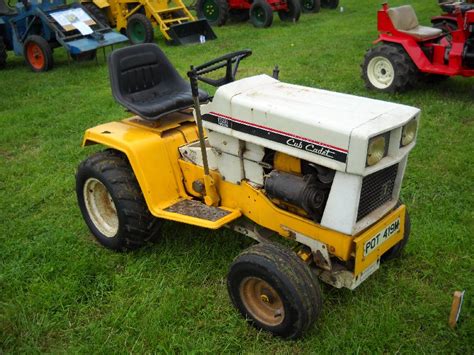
<point>172,17</point>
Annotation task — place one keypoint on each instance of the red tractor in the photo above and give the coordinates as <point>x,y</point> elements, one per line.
<point>407,51</point>
<point>260,12</point>
<point>448,21</point>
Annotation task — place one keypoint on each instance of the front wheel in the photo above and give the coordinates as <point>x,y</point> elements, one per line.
<point>112,203</point>
<point>274,290</point>
<point>293,13</point>
<point>261,14</point>
<point>388,68</point>
<point>310,6</point>
<point>139,29</point>
<point>216,12</point>
<point>38,53</point>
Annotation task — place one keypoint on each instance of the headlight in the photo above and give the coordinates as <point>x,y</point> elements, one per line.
<point>408,133</point>
<point>376,150</point>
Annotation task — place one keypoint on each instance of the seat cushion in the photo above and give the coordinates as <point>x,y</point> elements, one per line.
<point>423,32</point>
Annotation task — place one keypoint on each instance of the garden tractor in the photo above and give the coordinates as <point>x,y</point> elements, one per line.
<point>137,19</point>
<point>407,51</point>
<point>313,176</point>
<point>448,21</point>
<point>260,12</point>
<point>34,28</point>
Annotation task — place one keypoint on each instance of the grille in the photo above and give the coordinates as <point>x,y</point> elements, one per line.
<point>377,188</point>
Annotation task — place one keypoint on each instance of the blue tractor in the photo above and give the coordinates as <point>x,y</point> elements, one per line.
<point>33,28</point>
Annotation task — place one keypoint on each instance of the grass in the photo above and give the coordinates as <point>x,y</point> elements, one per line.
<point>61,292</point>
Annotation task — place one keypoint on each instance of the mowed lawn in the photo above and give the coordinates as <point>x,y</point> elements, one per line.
<point>62,292</point>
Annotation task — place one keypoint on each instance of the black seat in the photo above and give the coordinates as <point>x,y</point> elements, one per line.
<point>146,83</point>
<point>6,10</point>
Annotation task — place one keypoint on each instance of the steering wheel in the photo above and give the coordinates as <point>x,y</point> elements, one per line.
<point>230,61</point>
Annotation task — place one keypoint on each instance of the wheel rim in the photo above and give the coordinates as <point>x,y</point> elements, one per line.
<point>137,32</point>
<point>380,72</point>
<point>259,15</point>
<point>35,56</point>
<point>308,5</point>
<point>210,10</point>
<point>262,301</point>
<point>101,207</point>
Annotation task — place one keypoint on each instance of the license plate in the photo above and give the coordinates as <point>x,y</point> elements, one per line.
<point>381,237</point>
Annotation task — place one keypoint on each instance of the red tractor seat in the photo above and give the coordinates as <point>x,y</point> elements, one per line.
<point>404,20</point>
<point>145,82</point>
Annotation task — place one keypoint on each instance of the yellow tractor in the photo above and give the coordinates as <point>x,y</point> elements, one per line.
<point>270,160</point>
<point>137,19</point>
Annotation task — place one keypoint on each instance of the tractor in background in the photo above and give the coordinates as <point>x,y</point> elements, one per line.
<point>138,18</point>
<point>448,21</point>
<point>406,51</point>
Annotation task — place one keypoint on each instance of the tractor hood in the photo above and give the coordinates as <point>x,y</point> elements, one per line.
<point>312,124</point>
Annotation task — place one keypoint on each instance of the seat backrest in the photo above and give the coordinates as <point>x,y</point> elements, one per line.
<point>139,68</point>
<point>403,17</point>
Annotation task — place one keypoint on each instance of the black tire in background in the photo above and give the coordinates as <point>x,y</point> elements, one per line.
<point>330,4</point>
<point>38,53</point>
<point>310,6</point>
<point>261,14</point>
<point>98,13</point>
<point>139,29</point>
<point>294,12</point>
<point>274,290</point>
<point>3,54</point>
<point>112,203</point>
<point>216,12</point>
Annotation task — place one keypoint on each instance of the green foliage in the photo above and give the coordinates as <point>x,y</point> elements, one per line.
<point>61,292</point>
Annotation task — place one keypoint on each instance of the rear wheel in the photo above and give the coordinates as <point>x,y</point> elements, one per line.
<point>112,203</point>
<point>38,53</point>
<point>3,54</point>
<point>388,68</point>
<point>95,11</point>
<point>216,12</point>
<point>261,14</point>
<point>293,13</point>
<point>274,290</point>
<point>310,6</point>
<point>139,29</point>
<point>330,4</point>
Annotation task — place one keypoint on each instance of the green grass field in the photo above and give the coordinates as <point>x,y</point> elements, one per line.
<point>61,292</point>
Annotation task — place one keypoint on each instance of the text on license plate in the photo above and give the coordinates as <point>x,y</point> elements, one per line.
<point>381,237</point>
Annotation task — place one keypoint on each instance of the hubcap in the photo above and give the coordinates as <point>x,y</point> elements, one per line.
<point>210,10</point>
<point>138,32</point>
<point>380,72</point>
<point>259,15</point>
<point>262,301</point>
<point>35,55</point>
<point>308,4</point>
<point>101,207</point>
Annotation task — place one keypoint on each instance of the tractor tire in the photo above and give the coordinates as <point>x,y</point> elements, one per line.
<point>96,12</point>
<point>310,6</point>
<point>388,68</point>
<point>274,290</point>
<point>216,12</point>
<point>330,4</point>
<point>294,12</point>
<point>38,53</point>
<point>84,56</point>
<point>3,54</point>
<point>397,249</point>
<point>139,29</point>
<point>261,14</point>
<point>239,15</point>
<point>112,203</point>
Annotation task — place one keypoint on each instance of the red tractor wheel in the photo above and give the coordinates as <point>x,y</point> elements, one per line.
<point>388,68</point>
<point>261,14</point>
<point>293,13</point>
<point>38,53</point>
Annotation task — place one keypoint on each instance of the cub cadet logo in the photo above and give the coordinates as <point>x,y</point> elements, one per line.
<point>309,147</point>
<point>224,122</point>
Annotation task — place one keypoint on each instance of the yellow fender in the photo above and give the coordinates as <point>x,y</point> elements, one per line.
<point>101,4</point>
